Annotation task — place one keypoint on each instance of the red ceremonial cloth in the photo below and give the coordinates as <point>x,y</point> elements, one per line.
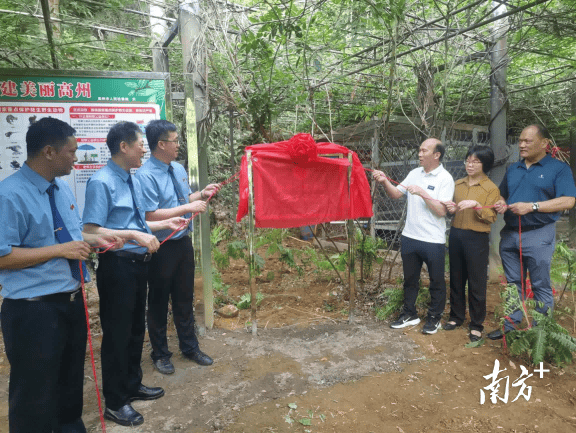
<point>293,186</point>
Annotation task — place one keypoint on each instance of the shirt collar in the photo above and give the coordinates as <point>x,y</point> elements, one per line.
<point>118,170</point>
<point>434,172</point>
<point>159,164</point>
<point>543,161</point>
<point>466,180</point>
<point>34,178</point>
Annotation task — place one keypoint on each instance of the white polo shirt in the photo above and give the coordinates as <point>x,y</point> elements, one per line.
<point>421,222</point>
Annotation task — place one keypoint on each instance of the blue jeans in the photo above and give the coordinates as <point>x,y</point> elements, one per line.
<point>537,250</point>
<point>414,253</point>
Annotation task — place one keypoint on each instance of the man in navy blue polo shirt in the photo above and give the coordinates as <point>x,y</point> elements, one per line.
<point>535,190</point>
<point>113,203</point>
<point>166,193</point>
<point>41,249</point>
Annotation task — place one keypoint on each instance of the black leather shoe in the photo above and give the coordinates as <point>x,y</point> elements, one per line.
<point>496,334</point>
<point>199,357</point>
<point>164,366</point>
<point>125,416</point>
<point>450,326</point>
<point>147,393</point>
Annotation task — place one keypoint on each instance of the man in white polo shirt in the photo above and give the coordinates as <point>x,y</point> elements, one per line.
<point>424,235</point>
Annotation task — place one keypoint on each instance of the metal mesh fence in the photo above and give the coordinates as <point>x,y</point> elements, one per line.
<point>397,157</point>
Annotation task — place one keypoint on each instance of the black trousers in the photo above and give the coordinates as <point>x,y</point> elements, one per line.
<point>414,253</point>
<point>45,345</point>
<point>122,288</point>
<point>171,275</point>
<point>468,251</point>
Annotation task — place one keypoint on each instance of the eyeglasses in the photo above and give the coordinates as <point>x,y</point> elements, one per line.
<point>171,141</point>
<point>472,162</point>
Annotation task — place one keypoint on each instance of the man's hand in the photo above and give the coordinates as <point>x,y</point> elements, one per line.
<point>197,206</point>
<point>416,190</point>
<point>213,188</point>
<point>147,240</point>
<point>104,241</point>
<point>380,176</point>
<point>468,204</point>
<point>75,250</point>
<point>451,206</point>
<point>176,223</point>
<point>520,208</point>
<point>501,206</point>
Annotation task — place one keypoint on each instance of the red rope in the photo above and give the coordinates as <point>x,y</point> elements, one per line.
<point>523,288</point>
<point>102,422</point>
<point>106,247</point>
<point>220,185</point>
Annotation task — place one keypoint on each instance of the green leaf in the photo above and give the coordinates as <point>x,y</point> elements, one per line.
<point>474,344</point>
<point>305,421</point>
<point>292,405</point>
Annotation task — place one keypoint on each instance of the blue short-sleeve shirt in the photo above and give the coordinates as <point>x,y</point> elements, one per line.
<point>27,223</point>
<point>547,179</point>
<point>158,190</point>
<point>109,202</point>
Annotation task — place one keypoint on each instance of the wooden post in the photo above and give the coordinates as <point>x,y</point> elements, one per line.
<point>351,248</point>
<point>193,56</point>
<point>252,267</point>
<point>48,25</point>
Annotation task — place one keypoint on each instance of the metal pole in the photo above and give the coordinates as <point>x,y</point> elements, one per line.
<point>232,162</point>
<point>375,165</point>
<point>193,56</point>
<point>252,267</point>
<point>351,248</point>
<point>572,215</point>
<point>498,100</point>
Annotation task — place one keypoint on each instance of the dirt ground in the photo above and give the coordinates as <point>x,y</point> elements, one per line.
<point>309,370</point>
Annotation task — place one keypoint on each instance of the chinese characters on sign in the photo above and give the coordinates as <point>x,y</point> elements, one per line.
<point>31,89</point>
<point>494,386</point>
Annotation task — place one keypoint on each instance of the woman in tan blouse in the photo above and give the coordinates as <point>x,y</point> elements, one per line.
<point>468,241</point>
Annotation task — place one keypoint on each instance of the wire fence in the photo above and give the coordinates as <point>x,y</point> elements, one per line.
<point>397,157</point>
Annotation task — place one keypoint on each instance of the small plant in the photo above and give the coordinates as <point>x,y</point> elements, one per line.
<point>393,300</point>
<point>545,341</point>
<point>246,300</point>
<point>367,250</point>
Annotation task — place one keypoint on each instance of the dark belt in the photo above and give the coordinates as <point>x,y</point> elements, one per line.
<point>146,257</point>
<point>524,228</point>
<point>57,297</point>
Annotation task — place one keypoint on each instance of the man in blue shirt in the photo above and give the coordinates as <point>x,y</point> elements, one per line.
<point>166,193</point>
<point>113,205</point>
<point>537,189</point>
<point>43,321</point>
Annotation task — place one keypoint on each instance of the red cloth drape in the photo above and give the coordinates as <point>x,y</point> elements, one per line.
<point>294,187</point>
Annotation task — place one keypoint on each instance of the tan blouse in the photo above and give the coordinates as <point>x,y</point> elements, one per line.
<point>484,192</point>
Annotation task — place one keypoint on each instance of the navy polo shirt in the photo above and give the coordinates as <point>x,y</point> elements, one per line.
<point>27,223</point>
<point>547,179</point>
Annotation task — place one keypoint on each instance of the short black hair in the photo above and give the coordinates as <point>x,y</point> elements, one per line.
<point>440,148</point>
<point>158,130</point>
<point>122,131</point>
<point>542,130</point>
<point>47,132</point>
<point>485,154</point>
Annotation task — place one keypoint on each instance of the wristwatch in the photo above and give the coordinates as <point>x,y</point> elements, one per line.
<point>535,207</point>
